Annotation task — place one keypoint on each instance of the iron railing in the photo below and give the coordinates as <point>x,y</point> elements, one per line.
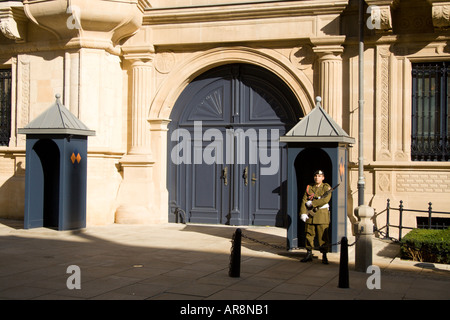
<point>401,209</point>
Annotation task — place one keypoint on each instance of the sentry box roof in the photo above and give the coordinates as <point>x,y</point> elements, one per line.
<point>317,126</point>
<point>57,119</point>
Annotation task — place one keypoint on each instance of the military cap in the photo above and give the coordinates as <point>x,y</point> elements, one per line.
<point>319,172</point>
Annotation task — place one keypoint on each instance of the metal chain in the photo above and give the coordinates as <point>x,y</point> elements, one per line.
<point>274,246</point>
<point>234,264</point>
<point>263,242</point>
<point>356,240</point>
<point>284,247</point>
<point>338,243</point>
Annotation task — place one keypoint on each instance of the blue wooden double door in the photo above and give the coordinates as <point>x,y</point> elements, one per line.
<point>225,162</point>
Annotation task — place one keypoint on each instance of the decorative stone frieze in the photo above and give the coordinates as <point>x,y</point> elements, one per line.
<point>383,104</point>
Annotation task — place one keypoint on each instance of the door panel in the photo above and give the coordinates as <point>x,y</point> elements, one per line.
<point>262,101</point>
<point>204,182</point>
<point>244,105</point>
<point>207,189</point>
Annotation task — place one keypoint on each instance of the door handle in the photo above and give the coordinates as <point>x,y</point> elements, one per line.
<point>245,176</point>
<point>225,176</point>
<point>253,178</point>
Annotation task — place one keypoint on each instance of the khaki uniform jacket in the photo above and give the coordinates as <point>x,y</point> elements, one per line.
<point>322,216</point>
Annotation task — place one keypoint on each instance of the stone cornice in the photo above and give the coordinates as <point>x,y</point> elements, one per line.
<point>230,12</point>
<point>328,41</point>
<point>143,4</point>
<point>328,46</point>
<point>246,22</point>
<point>142,53</point>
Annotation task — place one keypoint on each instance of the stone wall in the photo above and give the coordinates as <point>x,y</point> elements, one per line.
<point>122,71</point>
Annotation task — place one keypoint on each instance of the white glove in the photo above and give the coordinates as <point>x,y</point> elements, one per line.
<point>309,203</point>
<point>304,217</point>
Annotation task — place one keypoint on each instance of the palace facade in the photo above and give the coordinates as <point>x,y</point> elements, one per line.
<point>139,71</point>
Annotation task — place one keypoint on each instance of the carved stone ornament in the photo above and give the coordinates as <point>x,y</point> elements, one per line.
<point>12,20</point>
<point>380,14</point>
<point>94,23</point>
<point>384,182</point>
<point>165,61</point>
<point>440,13</point>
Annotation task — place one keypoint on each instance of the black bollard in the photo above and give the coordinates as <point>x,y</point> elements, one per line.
<point>343,265</point>
<point>235,258</point>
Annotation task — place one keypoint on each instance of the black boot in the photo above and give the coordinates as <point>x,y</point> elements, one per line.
<point>308,257</point>
<point>324,258</point>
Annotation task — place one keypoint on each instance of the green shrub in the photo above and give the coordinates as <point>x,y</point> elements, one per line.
<point>426,245</point>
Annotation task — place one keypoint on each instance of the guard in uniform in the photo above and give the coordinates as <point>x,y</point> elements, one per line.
<point>314,211</point>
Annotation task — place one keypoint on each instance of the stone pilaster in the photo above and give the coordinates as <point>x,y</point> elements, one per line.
<point>158,142</point>
<point>330,66</point>
<point>141,69</point>
<point>135,205</point>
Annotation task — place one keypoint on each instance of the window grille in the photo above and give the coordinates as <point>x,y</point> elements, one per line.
<point>430,117</point>
<point>5,106</point>
<point>435,223</point>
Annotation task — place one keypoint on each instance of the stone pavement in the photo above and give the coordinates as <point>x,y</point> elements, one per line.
<point>191,262</point>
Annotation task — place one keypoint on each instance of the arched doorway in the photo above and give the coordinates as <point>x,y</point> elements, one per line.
<point>306,163</point>
<point>225,163</point>
<point>46,170</point>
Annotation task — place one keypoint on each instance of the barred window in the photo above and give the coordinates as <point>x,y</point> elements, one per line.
<point>430,112</point>
<point>5,106</point>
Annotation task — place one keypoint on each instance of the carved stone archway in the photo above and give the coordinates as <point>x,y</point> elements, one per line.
<point>183,73</point>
